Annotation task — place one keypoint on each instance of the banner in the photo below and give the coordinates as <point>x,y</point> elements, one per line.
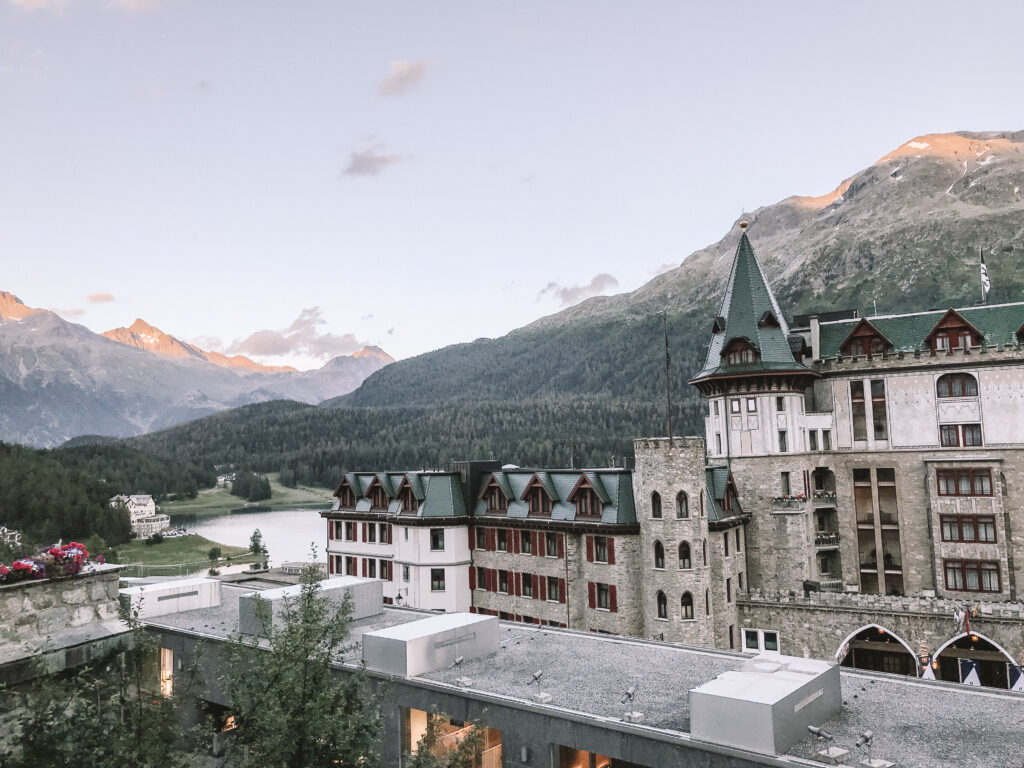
<point>969,672</point>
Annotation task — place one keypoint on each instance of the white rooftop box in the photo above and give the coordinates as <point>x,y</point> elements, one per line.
<point>423,646</point>
<point>367,600</point>
<point>171,596</point>
<point>767,704</point>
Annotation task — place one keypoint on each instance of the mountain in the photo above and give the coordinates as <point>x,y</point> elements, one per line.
<point>59,379</point>
<point>142,335</point>
<point>903,234</point>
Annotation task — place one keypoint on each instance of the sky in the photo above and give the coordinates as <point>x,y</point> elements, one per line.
<point>294,180</point>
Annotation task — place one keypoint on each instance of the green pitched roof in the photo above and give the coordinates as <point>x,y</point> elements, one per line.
<point>613,486</point>
<point>717,479</point>
<point>999,323</point>
<point>747,312</point>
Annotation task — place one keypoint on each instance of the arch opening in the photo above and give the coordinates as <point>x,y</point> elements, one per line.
<point>876,649</point>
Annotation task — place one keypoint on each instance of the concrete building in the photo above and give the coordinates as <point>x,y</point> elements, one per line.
<point>145,519</point>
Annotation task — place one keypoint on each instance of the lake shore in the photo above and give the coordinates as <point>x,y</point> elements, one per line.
<point>215,502</point>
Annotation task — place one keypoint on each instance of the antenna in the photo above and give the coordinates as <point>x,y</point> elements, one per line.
<point>541,697</point>
<point>629,694</point>
<point>458,661</point>
<point>668,381</point>
<point>536,677</point>
<point>830,753</point>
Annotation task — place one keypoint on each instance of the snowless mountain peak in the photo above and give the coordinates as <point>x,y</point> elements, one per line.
<point>13,308</point>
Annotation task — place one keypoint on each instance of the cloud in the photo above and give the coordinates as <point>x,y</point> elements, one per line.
<point>203,85</point>
<point>661,270</point>
<point>391,331</point>
<point>369,162</point>
<point>403,76</point>
<point>51,6</point>
<point>99,298</point>
<point>135,6</point>
<point>302,337</point>
<point>568,295</point>
<point>69,312</point>
<point>209,343</point>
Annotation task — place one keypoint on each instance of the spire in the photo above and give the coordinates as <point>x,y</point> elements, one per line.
<point>749,324</point>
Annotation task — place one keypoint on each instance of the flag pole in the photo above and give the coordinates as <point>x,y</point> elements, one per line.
<point>668,383</point>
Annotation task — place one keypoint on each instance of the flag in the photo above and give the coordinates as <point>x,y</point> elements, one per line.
<point>985,283</point>
<point>969,672</point>
<point>925,667</point>
<point>967,620</point>
<point>1016,678</point>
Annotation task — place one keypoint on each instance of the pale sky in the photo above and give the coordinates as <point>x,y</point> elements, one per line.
<point>293,180</point>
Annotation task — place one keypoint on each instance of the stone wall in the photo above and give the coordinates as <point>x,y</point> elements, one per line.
<point>817,626</point>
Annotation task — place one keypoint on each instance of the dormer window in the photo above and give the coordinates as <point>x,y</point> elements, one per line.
<point>954,332</point>
<point>942,342</point>
<point>740,352</point>
<point>865,340</point>
<point>587,503</point>
<point>497,503</point>
<point>536,496</point>
<point>378,496</point>
<point>346,498</point>
<point>410,504</point>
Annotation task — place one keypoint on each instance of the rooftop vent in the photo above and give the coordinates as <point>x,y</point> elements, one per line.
<point>422,646</point>
<point>367,600</point>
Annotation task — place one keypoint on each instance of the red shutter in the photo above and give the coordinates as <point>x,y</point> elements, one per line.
<point>472,577</point>
<point>540,543</point>
<point>472,609</point>
<point>514,542</point>
<point>330,565</point>
<point>543,588</point>
<point>590,553</point>
<point>472,537</point>
<point>492,576</point>
<point>364,567</point>
<point>533,543</point>
<point>592,594</point>
<point>611,551</point>
<point>612,603</point>
<point>390,539</point>
<point>519,584</point>
<point>363,526</point>
<point>389,565</point>
<point>535,579</point>
<point>561,545</point>
<point>491,538</point>
<point>561,590</point>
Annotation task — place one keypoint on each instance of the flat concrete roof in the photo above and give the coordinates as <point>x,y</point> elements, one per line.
<point>917,724</point>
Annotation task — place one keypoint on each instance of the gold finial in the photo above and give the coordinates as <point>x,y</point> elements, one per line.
<point>744,225</point>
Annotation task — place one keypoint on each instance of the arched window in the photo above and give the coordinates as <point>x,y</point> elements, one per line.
<point>956,385</point>
<point>662,605</point>
<point>682,505</point>
<point>686,606</point>
<point>705,548</point>
<point>684,556</point>
<point>659,555</point>
<point>655,504</point>
<point>707,602</point>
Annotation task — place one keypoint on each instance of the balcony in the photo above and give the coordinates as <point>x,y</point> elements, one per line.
<point>831,585</point>
<point>789,504</point>
<point>824,499</point>
<point>826,540</point>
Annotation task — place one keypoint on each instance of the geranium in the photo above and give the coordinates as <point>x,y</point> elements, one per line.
<point>52,562</point>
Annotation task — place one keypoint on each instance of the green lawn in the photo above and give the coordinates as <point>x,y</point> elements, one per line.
<point>218,501</point>
<point>180,549</point>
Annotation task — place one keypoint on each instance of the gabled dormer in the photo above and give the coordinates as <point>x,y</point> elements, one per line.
<point>865,340</point>
<point>408,497</point>
<point>538,496</point>
<point>953,332</point>
<point>378,495</point>
<point>739,351</point>
<point>587,498</point>
<point>345,494</point>
<point>494,496</point>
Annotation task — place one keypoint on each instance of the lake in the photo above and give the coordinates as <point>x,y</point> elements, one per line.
<point>287,535</point>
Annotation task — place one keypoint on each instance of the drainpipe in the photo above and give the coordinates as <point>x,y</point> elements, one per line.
<point>568,616</point>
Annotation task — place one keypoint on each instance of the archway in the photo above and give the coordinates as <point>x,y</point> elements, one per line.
<point>991,658</point>
<point>877,649</point>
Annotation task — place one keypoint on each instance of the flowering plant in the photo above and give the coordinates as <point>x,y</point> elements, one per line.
<point>53,563</point>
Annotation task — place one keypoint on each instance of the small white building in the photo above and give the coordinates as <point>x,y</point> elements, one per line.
<point>145,519</point>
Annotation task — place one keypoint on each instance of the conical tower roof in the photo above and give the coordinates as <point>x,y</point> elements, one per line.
<point>751,317</point>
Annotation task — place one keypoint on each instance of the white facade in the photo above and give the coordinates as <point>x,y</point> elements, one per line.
<point>144,517</point>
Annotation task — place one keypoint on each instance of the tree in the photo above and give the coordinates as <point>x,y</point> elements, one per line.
<point>291,707</point>
<point>256,545</point>
<point>214,554</point>
<point>430,754</point>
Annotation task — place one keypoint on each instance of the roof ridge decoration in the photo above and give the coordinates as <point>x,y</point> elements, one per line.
<point>751,315</point>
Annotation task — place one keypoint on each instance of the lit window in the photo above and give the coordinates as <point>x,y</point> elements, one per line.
<point>166,672</point>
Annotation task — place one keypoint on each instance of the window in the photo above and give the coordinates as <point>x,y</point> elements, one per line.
<point>964,482</point>
<point>826,439</point>
<point>953,435</point>
<point>956,385</point>
<point>525,544</point>
<point>877,346</point>
<point>942,342</point>
<point>662,605</point>
<point>553,594</point>
<point>371,532</point>
<point>686,606</point>
<point>980,528</point>
<point>964,338</point>
<point>728,590</point>
<point>725,543</point>
<point>812,440</point>
<point>378,497</point>
<point>784,481</point>
<point>732,636</point>
<point>503,581</point>
<point>704,546</point>
<point>780,404</point>
<point>714,407</point>
<point>682,506</point>
<point>406,531</point>
<point>437,579</point>
<point>410,504</point>
<point>655,504</point>
<point>350,566</point>
<point>659,555</point>
<point>739,355</point>
<point>350,531</point>
<point>539,501</point>
<point>551,544</point>
<point>734,406</point>
<point>739,540</point>
<point>739,580</point>
<point>481,538</point>
<point>972,575</point>
<point>385,572</point>
<point>527,586</point>
<point>383,533</point>
<point>371,568</point>
<point>684,556</point>
<point>603,597</point>
<point>587,503</point>
<point>707,602</point>
<point>502,540</point>
<point>346,498</point>
<point>496,501</point>
<point>760,641</point>
<point>718,443</point>
<point>601,549</point>
<point>878,420</point>
<point>860,429</point>
<point>166,672</point>
<point>405,573</point>
<point>751,405</point>
<point>437,539</point>
<point>481,578</point>
<point>783,444</point>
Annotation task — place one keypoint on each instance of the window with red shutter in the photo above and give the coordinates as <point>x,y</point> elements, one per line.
<point>611,551</point>
<point>533,543</point>
<point>613,604</point>
<point>472,537</point>
<point>592,594</point>
<point>390,540</point>
<point>364,567</point>
<point>519,584</point>
<point>492,539</point>
<point>535,583</point>
<point>363,527</point>
<point>330,564</point>
<point>540,544</point>
<point>590,554</point>
<point>514,542</point>
<point>561,590</point>
<point>561,545</point>
<point>543,592</point>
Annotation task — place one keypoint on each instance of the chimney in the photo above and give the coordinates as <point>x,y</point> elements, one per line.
<point>815,337</point>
